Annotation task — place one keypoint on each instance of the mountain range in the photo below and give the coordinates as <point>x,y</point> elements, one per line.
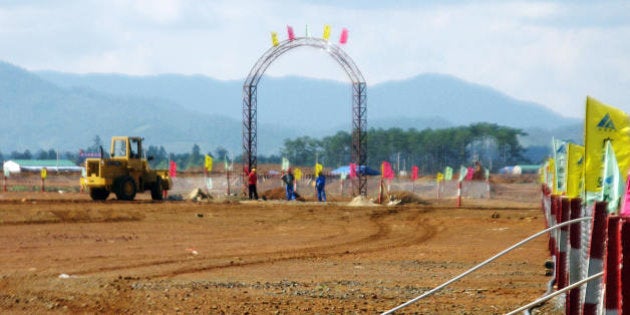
<point>65,111</point>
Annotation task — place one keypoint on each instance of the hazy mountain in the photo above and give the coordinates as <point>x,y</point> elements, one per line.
<point>52,110</point>
<point>38,114</point>
<point>296,102</point>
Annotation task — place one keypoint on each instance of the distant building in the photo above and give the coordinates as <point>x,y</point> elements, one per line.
<point>17,166</point>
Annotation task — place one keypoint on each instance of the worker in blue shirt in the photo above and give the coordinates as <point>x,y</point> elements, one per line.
<point>320,184</point>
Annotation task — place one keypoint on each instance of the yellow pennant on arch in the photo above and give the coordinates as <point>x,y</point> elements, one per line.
<point>274,39</point>
<point>326,35</point>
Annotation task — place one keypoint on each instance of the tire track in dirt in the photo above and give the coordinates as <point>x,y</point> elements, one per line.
<point>383,233</point>
<point>419,230</point>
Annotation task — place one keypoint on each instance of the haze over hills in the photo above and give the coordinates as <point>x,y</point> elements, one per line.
<point>52,110</point>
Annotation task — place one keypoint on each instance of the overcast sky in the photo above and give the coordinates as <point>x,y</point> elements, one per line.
<point>553,53</point>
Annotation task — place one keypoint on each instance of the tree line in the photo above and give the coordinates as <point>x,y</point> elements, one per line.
<point>430,149</point>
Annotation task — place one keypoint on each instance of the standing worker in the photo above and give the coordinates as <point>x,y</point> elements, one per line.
<point>288,179</point>
<point>252,178</point>
<point>320,184</point>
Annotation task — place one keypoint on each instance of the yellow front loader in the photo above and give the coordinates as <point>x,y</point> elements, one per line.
<point>125,172</point>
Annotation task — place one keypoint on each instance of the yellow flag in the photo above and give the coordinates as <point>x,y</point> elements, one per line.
<point>274,39</point>
<point>318,169</point>
<point>440,177</point>
<point>604,122</point>
<point>326,35</point>
<point>544,172</point>
<point>575,170</point>
<point>552,176</point>
<point>208,163</point>
<point>297,173</point>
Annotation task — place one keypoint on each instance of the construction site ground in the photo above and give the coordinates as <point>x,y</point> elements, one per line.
<point>63,253</point>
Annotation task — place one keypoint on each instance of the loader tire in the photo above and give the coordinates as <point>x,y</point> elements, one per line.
<point>156,189</point>
<point>125,188</point>
<point>99,193</point>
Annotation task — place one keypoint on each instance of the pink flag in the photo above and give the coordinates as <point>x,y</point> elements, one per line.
<point>414,172</point>
<point>469,174</point>
<point>386,170</point>
<point>344,36</point>
<point>625,202</point>
<point>290,33</point>
<point>172,169</point>
<point>353,170</point>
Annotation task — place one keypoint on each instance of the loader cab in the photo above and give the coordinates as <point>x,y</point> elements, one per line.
<point>126,148</point>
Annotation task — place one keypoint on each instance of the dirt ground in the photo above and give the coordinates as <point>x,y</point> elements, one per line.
<point>62,253</point>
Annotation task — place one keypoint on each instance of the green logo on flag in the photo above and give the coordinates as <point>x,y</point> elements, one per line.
<point>606,123</point>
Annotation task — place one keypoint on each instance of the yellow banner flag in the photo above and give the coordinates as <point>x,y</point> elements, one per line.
<point>326,35</point>
<point>604,122</point>
<point>318,169</point>
<point>274,39</point>
<point>542,173</point>
<point>440,177</point>
<point>297,173</point>
<point>552,176</point>
<point>208,163</point>
<point>575,170</point>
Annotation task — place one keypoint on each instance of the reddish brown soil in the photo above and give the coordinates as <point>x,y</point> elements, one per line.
<point>63,253</point>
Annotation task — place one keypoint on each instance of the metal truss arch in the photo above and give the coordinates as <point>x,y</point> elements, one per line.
<point>359,102</point>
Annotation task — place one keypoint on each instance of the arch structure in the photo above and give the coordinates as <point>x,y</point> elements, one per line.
<point>359,103</point>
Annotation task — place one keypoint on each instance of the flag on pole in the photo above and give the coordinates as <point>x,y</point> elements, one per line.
<point>552,173</point>
<point>625,201</point>
<point>448,173</point>
<point>344,36</point>
<point>439,177</point>
<point>318,169</point>
<point>274,39</point>
<point>575,170</point>
<point>462,173</point>
<point>469,173</point>
<point>297,173</point>
<point>290,33</point>
<point>414,172</point>
<point>560,156</point>
<point>386,170</point>
<point>306,32</point>
<point>172,169</point>
<point>285,164</point>
<point>542,173</point>
<point>604,123</point>
<point>612,183</point>
<point>326,34</point>
<point>208,163</point>
<point>353,170</point>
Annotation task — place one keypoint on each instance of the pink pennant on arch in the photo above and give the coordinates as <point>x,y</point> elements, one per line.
<point>344,36</point>
<point>290,33</point>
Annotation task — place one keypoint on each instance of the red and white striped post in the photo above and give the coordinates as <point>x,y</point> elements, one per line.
<point>624,288</point>
<point>459,193</point>
<point>596,258</point>
<point>563,278</point>
<point>612,274</point>
<point>553,219</point>
<point>575,263</point>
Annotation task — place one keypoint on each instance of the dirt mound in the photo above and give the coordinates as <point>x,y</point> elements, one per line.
<point>199,195</point>
<point>405,197</point>
<point>361,201</point>
<point>279,193</point>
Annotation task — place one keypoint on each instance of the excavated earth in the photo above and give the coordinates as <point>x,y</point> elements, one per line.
<point>63,253</point>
